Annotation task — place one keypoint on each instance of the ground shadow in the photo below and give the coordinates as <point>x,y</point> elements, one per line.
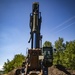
<point>62,68</point>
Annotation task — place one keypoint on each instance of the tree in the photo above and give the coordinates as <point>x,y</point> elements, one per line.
<point>18,59</point>
<point>60,46</point>
<point>70,55</point>
<point>16,62</point>
<point>47,44</point>
<point>59,43</point>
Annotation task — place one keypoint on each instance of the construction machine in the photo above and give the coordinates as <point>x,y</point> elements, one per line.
<point>37,57</point>
<point>35,39</point>
<point>37,54</point>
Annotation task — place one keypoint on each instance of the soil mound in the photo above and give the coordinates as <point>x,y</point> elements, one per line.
<point>58,70</point>
<point>53,70</point>
<point>12,72</point>
<point>15,71</point>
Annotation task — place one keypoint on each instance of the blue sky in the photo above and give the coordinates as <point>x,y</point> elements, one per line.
<point>58,20</point>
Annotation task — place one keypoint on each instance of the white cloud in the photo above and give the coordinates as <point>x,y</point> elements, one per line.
<point>1,67</point>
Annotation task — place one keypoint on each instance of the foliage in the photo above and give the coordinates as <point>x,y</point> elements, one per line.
<point>47,44</point>
<point>70,55</point>
<point>60,46</point>
<point>64,53</point>
<point>16,62</point>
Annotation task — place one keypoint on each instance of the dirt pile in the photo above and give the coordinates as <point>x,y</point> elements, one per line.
<point>12,72</point>
<point>59,70</point>
<point>15,71</point>
<point>53,70</point>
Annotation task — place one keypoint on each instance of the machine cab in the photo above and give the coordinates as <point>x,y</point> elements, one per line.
<point>48,56</point>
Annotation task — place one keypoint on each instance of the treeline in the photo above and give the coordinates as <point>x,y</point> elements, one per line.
<point>63,53</point>
<point>16,62</point>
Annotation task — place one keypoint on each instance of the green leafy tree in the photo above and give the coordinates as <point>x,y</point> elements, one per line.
<point>70,55</point>
<point>59,54</point>
<point>15,63</point>
<point>47,44</point>
<point>18,59</point>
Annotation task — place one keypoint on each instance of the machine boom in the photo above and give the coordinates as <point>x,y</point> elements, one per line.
<point>35,26</point>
